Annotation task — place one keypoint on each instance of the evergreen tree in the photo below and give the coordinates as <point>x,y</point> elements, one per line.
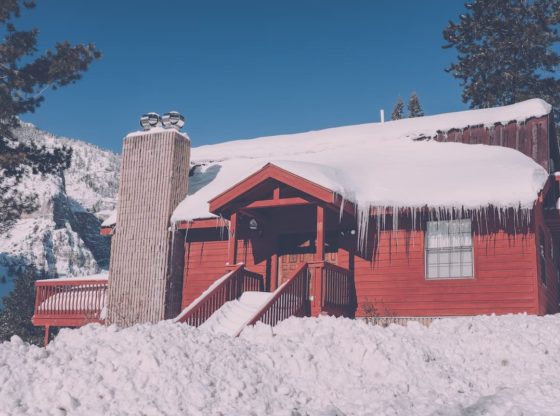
<point>398,110</point>
<point>505,51</point>
<point>414,107</point>
<point>18,308</point>
<point>24,76</point>
<point>3,280</point>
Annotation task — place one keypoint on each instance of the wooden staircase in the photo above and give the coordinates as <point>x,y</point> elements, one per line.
<point>315,288</point>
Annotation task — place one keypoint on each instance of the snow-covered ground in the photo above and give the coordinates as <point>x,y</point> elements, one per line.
<point>468,366</point>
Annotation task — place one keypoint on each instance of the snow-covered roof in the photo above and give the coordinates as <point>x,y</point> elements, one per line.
<point>381,164</point>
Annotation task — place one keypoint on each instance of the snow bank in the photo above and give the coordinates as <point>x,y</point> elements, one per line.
<point>467,366</point>
<point>382,165</point>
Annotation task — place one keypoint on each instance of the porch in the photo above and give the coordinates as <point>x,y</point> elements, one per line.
<point>69,302</point>
<point>278,223</point>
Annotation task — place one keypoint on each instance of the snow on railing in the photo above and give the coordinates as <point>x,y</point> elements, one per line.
<point>73,302</point>
<point>230,287</point>
<point>290,299</point>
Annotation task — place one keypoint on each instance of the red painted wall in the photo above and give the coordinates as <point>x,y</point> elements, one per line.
<point>506,276</point>
<point>548,295</point>
<point>394,282</point>
<point>204,263</point>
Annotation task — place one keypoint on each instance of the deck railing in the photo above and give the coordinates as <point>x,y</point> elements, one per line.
<point>290,299</point>
<point>69,302</point>
<point>230,288</point>
<point>337,286</point>
<point>331,289</point>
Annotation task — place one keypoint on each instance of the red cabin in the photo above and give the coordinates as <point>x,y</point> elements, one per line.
<point>384,221</point>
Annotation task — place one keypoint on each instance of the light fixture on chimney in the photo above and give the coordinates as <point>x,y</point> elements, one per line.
<point>150,120</point>
<point>173,119</point>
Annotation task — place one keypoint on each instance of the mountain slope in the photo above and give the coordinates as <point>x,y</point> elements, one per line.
<point>62,235</point>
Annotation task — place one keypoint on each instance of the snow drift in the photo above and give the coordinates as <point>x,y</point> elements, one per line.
<point>326,366</point>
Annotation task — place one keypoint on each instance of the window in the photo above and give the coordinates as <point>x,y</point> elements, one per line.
<point>449,253</point>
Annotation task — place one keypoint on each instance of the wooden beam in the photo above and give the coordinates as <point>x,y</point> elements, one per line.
<point>107,230</point>
<point>47,330</point>
<point>200,223</point>
<point>232,244</point>
<point>284,202</point>
<point>274,271</point>
<point>320,250</point>
<point>270,171</point>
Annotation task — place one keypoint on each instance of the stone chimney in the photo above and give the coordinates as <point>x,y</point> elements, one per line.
<point>145,274</point>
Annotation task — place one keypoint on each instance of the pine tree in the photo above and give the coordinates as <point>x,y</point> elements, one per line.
<point>414,107</point>
<point>18,308</point>
<point>505,52</point>
<point>398,110</point>
<point>24,76</point>
<point>3,280</point>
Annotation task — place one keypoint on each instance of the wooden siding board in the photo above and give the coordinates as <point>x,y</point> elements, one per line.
<point>505,269</point>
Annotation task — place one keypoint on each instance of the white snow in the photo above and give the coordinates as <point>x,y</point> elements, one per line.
<point>234,315</point>
<point>382,165</point>
<point>98,276</point>
<point>158,129</point>
<point>492,366</point>
<point>110,220</point>
<point>201,297</point>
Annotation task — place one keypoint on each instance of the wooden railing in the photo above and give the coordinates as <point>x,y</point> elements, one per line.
<point>337,286</point>
<point>290,299</point>
<point>69,302</point>
<point>229,288</point>
<point>331,289</point>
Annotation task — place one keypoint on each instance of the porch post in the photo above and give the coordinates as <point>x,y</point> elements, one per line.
<point>274,271</point>
<point>47,331</point>
<point>316,269</point>
<point>232,244</point>
<point>320,250</point>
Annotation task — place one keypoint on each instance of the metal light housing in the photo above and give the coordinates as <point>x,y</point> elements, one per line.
<point>173,119</point>
<point>150,120</point>
<point>253,224</point>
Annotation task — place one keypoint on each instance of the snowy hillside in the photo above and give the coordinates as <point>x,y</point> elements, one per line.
<point>62,235</point>
<point>466,366</point>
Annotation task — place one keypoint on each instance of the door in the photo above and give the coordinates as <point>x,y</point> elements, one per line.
<point>296,249</point>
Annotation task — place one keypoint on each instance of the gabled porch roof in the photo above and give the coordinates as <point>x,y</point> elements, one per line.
<point>279,186</point>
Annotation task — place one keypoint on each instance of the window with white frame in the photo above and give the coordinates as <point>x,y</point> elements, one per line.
<point>449,253</point>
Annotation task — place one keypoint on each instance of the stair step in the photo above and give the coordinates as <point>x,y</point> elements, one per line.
<point>234,315</point>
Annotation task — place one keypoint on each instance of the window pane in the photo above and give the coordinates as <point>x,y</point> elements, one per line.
<point>444,257</point>
<point>449,249</point>
<point>432,272</point>
<point>443,270</point>
<point>455,270</point>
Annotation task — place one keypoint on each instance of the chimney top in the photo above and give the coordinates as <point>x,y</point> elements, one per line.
<point>170,120</point>
<point>150,120</point>
<point>173,120</point>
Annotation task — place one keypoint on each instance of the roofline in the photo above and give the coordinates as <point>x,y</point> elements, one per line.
<point>271,171</point>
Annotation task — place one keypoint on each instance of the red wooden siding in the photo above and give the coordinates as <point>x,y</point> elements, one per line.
<point>394,282</point>
<point>548,296</point>
<point>530,138</point>
<point>205,261</point>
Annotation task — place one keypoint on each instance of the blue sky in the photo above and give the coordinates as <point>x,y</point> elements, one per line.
<point>241,69</point>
